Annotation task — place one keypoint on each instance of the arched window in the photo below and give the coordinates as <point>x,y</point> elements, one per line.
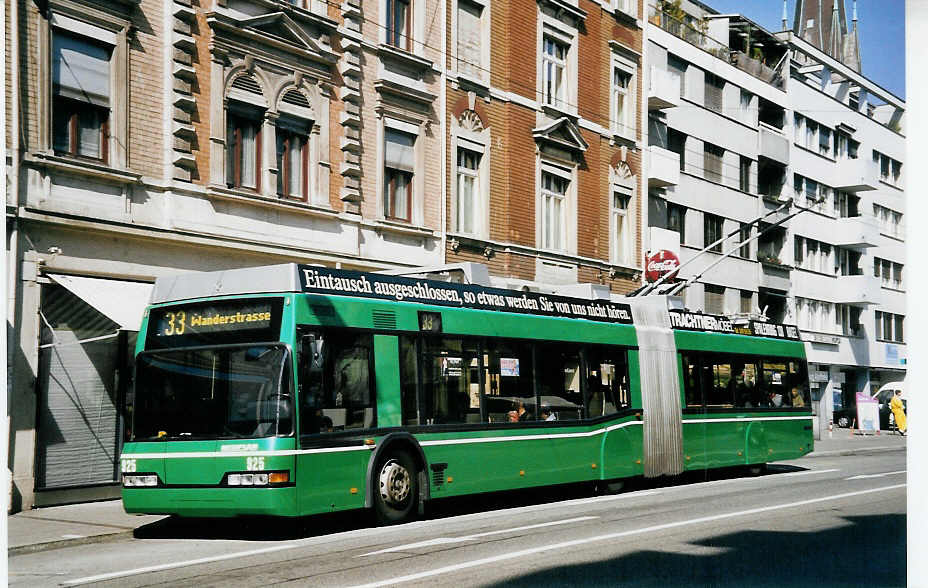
<point>244,120</point>
<point>293,146</point>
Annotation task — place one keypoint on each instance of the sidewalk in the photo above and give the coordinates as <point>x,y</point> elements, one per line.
<point>850,442</point>
<point>95,522</point>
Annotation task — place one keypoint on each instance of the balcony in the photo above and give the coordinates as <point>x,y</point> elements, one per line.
<point>859,290</point>
<point>663,167</point>
<point>758,69</point>
<point>856,175</point>
<point>773,275</point>
<point>773,145</point>
<point>855,232</point>
<point>663,90</point>
<point>723,51</point>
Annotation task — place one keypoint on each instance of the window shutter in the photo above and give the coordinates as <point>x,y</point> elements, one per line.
<point>469,46</point>
<point>80,70</point>
<point>715,299</point>
<point>714,93</point>
<point>399,151</point>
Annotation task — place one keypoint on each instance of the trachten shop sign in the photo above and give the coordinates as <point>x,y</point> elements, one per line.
<point>710,323</point>
<point>321,280</point>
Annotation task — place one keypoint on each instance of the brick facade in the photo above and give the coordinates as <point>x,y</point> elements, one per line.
<point>511,108</point>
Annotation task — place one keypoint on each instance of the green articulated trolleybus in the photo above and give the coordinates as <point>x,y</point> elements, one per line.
<point>292,390</point>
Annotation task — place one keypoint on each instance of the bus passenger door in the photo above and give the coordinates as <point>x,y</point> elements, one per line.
<point>694,413</point>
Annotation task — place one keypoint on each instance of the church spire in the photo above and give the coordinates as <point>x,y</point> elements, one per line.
<point>836,38</point>
<point>823,24</point>
<point>852,44</point>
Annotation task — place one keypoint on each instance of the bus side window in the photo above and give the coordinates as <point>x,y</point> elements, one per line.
<point>335,389</point>
<point>691,381</point>
<point>408,379</point>
<point>311,383</point>
<point>558,376</point>
<point>718,391</point>
<point>508,382</point>
<point>607,380</point>
<point>450,385</point>
<point>775,380</point>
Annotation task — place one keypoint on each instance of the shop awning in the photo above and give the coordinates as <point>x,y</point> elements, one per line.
<point>122,302</point>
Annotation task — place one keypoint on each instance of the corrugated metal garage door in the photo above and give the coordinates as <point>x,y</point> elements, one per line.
<point>78,424</point>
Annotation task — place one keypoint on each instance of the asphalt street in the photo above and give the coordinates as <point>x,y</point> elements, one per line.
<point>832,521</point>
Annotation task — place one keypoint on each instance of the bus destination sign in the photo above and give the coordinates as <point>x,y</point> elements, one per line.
<point>199,319</point>
<point>322,280</point>
<point>710,323</point>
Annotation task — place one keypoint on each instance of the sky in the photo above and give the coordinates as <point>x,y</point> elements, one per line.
<point>881,24</point>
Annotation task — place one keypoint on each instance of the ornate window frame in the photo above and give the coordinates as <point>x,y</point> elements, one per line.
<point>468,132</point>
<point>404,124</point>
<point>622,181</point>
<point>102,26</point>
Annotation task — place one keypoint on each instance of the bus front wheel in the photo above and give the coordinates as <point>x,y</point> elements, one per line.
<point>395,488</point>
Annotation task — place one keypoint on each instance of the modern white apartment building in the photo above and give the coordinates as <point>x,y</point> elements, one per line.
<point>847,155</point>
<point>742,120</point>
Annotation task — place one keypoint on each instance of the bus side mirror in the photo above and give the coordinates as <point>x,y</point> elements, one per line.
<point>310,358</point>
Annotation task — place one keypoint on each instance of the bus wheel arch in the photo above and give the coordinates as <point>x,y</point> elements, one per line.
<point>397,486</point>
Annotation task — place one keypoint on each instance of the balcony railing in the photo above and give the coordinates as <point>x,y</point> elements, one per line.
<point>663,167</point>
<point>772,273</point>
<point>856,232</point>
<point>856,175</point>
<point>773,145</point>
<point>663,90</point>
<point>699,39</point>
<point>758,69</point>
<point>862,289</point>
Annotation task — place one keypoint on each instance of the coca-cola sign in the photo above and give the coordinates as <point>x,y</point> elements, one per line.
<point>661,263</point>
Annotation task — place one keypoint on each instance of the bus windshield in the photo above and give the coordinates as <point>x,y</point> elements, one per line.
<point>221,392</point>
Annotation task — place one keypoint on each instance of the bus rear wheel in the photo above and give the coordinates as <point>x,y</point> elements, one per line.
<point>396,489</point>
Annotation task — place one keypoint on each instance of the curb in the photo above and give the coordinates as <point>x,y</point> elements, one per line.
<point>857,451</point>
<point>60,543</point>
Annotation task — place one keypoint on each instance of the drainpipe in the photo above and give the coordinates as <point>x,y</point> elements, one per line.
<point>4,424</point>
<point>444,126</point>
<point>8,289</point>
<point>14,111</point>
<point>645,199</point>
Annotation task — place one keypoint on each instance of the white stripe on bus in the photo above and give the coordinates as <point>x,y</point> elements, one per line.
<point>438,442</point>
<point>738,419</point>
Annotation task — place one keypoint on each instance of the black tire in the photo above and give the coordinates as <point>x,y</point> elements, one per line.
<point>396,488</point>
<point>844,422</point>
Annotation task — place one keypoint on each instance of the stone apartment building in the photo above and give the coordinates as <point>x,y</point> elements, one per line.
<point>147,138</point>
<point>150,138</point>
<point>543,155</point>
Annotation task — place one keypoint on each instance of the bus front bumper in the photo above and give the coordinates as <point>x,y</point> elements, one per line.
<point>210,502</point>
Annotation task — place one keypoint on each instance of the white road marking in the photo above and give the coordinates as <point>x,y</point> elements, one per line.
<point>867,476</point>
<point>806,473</point>
<point>180,564</point>
<point>448,540</point>
<point>557,546</point>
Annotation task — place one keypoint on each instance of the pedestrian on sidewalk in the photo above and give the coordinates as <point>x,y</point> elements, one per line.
<point>895,405</point>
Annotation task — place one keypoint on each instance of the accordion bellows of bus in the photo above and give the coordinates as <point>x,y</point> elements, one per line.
<point>292,390</point>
